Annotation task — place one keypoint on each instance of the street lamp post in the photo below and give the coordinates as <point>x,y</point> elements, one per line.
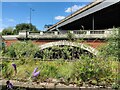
<point>30,23</point>
<point>30,19</point>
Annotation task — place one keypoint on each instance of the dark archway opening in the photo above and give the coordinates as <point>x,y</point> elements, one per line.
<point>62,52</point>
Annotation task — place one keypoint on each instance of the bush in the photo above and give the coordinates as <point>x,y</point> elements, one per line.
<point>87,70</point>
<point>7,70</point>
<point>112,48</point>
<point>21,49</point>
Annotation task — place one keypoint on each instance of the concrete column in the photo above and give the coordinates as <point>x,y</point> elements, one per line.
<point>93,22</point>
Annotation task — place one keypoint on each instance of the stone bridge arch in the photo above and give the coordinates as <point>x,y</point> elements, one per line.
<point>68,43</point>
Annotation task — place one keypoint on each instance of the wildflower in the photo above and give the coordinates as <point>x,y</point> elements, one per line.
<point>35,73</point>
<point>15,68</point>
<point>35,70</point>
<point>9,85</point>
<point>14,65</point>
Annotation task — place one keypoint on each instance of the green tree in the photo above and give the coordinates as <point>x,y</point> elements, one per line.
<point>24,26</point>
<point>7,31</point>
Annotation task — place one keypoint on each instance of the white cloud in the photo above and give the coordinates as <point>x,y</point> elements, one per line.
<point>74,8</point>
<point>59,17</point>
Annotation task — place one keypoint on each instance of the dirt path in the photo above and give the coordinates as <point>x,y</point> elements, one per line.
<point>37,86</point>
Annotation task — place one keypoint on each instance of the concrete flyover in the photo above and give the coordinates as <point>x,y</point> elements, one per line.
<point>97,15</point>
<point>68,43</point>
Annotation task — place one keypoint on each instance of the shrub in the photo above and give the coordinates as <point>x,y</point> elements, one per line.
<point>7,70</point>
<point>89,69</point>
<point>21,49</point>
<point>112,47</point>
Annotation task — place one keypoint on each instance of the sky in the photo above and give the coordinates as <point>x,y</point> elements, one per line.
<point>42,13</point>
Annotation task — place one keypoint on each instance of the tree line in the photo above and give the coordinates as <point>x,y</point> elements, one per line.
<point>18,28</point>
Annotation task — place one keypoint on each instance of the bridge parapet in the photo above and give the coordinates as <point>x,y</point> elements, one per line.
<point>77,34</point>
<point>94,34</point>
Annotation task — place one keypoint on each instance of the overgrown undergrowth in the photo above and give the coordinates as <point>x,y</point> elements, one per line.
<point>91,71</point>
<point>101,70</point>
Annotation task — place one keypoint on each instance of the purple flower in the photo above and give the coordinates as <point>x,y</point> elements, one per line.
<point>15,68</point>
<point>9,85</point>
<point>36,74</point>
<point>35,70</point>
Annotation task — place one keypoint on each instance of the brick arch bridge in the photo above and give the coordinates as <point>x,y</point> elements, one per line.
<point>68,43</point>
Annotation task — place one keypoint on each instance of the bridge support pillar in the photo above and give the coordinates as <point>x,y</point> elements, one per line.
<point>93,22</point>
